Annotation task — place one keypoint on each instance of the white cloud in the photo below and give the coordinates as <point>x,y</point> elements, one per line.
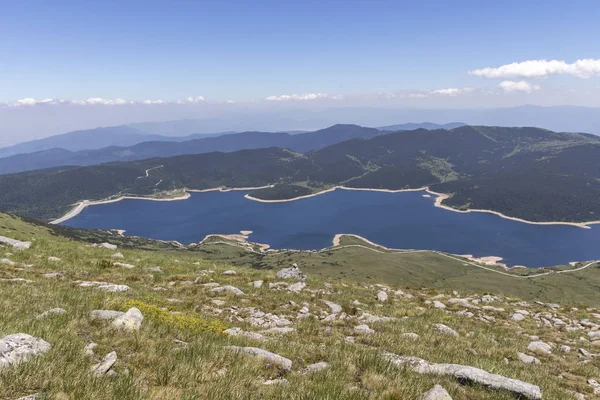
<point>521,86</point>
<point>154,102</point>
<point>584,68</point>
<point>28,101</point>
<point>306,96</point>
<point>452,91</point>
<point>100,101</point>
<point>192,100</point>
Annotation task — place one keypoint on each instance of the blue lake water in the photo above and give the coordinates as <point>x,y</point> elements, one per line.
<point>405,220</point>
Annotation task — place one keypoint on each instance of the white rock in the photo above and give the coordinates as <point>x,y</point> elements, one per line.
<point>539,347</point>
<point>291,273</point>
<point>363,329</point>
<point>54,259</point>
<point>297,287</point>
<point>278,381</point>
<point>17,244</point>
<point>272,358</point>
<point>528,359</point>
<point>410,335</point>
<point>316,367</point>
<point>130,321</point>
<point>240,332</point>
<point>228,288</point>
<point>446,330</point>
<point>49,312</point>
<point>257,284</point>
<point>467,373</point>
<point>106,314</point>
<point>117,255</point>
<point>382,296</point>
<point>438,304</point>
<point>517,317</point>
<point>108,246</point>
<point>6,261</point>
<point>229,272</point>
<point>18,347</point>
<point>124,265</point>
<point>89,349</point>
<point>437,393</point>
<point>335,308</point>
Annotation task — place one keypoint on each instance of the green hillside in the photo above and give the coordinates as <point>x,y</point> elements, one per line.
<point>341,336</point>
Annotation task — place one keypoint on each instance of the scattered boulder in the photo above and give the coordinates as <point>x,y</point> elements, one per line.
<point>382,296</point>
<point>528,359</point>
<point>108,287</point>
<point>229,272</point>
<point>446,330</point>
<point>273,358</point>
<point>106,364</point>
<point>291,273</point>
<point>410,335</point>
<point>438,304</point>
<point>257,284</point>
<point>117,255</point>
<point>539,347</point>
<point>49,312</point>
<point>108,246</point>
<point>124,265</point>
<point>335,308</point>
<point>297,287</point>
<point>240,332</point>
<point>6,261</point>
<point>130,321</point>
<point>18,347</point>
<point>88,350</point>
<point>54,259</point>
<point>228,288</point>
<point>279,330</point>
<point>517,317</point>
<point>363,329</point>
<point>467,373</point>
<point>316,367</point>
<point>278,381</point>
<point>437,393</point>
<point>16,244</point>
<point>31,397</point>
<point>53,275</point>
<point>106,314</point>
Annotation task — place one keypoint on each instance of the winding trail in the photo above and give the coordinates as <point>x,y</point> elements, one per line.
<point>148,171</point>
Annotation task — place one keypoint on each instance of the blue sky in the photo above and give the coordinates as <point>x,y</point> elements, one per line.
<point>248,50</point>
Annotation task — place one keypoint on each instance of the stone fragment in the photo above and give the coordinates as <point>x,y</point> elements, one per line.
<point>50,312</point>
<point>106,364</point>
<point>539,347</point>
<point>528,359</point>
<point>228,288</point>
<point>446,330</point>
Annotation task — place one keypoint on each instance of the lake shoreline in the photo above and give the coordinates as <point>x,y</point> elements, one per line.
<point>440,197</point>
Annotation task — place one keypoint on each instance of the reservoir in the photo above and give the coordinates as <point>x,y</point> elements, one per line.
<point>403,220</point>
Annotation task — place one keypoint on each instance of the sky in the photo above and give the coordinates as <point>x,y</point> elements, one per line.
<point>201,58</point>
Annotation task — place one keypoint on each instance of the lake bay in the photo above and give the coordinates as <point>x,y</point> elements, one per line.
<point>404,220</point>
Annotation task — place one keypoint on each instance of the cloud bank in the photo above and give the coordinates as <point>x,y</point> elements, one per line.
<point>585,68</point>
<point>521,86</point>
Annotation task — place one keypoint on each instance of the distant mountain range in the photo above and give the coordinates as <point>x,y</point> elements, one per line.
<point>529,173</point>
<point>423,125</point>
<point>95,146</point>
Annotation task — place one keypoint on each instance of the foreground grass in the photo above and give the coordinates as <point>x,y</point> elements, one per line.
<point>152,365</point>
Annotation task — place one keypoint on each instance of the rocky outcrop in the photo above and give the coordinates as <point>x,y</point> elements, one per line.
<point>467,373</point>
<point>107,287</point>
<point>18,347</point>
<point>291,273</point>
<point>16,244</point>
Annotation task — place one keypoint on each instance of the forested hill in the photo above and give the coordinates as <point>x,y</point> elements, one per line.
<point>529,173</point>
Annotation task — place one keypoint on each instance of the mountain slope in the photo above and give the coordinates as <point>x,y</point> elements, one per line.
<point>515,171</point>
<point>168,147</point>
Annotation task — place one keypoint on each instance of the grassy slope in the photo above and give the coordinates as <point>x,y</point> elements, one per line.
<point>152,366</point>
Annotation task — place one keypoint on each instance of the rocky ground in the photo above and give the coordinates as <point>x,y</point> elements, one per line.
<point>81,321</point>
